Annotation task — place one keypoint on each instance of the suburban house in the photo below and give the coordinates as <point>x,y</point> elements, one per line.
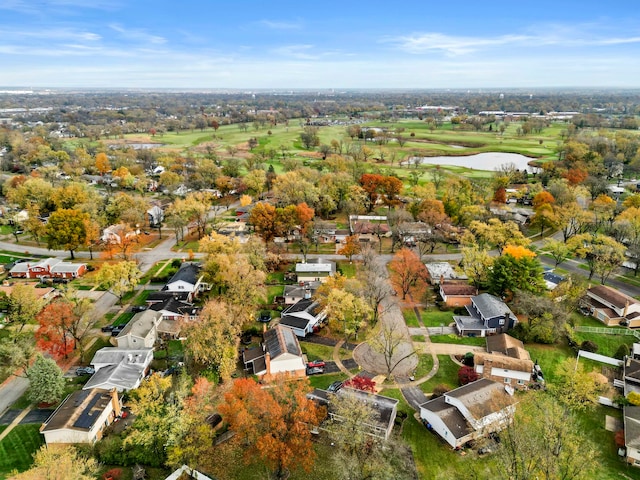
<point>369,227</point>
<point>439,272</point>
<point>141,331</point>
<point>613,307</point>
<point>303,317</point>
<point>488,315</point>
<point>115,234</point>
<point>315,270</point>
<point>185,472</point>
<point>294,293</point>
<point>505,361</point>
<point>82,417</point>
<point>469,412</point>
<point>632,434</point>
<point>187,279</point>
<point>161,296</point>
<point>280,352</point>
<point>385,409</point>
<point>43,293</point>
<point>119,368</point>
<point>173,309</point>
<point>552,280</point>
<point>155,216</point>
<point>48,267</point>
<point>456,294</point>
<point>630,376</point>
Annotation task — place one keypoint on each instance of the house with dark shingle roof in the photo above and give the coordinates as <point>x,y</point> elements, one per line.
<point>488,315</point>
<point>469,412</point>
<point>632,434</point>
<point>612,307</point>
<point>187,279</point>
<point>303,317</point>
<point>279,353</point>
<point>505,361</point>
<point>82,417</point>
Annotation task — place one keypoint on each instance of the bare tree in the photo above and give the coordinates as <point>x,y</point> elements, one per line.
<point>393,345</point>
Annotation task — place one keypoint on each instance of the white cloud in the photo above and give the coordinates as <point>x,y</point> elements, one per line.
<point>301,52</point>
<point>137,34</point>
<point>281,25</point>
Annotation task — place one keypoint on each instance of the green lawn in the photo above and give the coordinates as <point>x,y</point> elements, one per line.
<point>410,317</point>
<point>434,317</point>
<point>607,344</point>
<point>549,357</point>
<point>274,291</point>
<point>123,318</point>
<point>141,299</point>
<point>17,448</point>
<point>347,269</point>
<point>458,340</point>
<point>417,338</point>
<point>323,381</point>
<point>425,364</point>
<point>447,375</point>
<point>315,351</point>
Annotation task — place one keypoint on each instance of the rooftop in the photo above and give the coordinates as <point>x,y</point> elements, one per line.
<point>79,411</point>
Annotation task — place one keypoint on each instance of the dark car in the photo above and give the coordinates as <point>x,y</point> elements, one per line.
<point>138,308</point>
<point>60,280</point>
<point>316,363</point>
<point>116,330</point>
<point>335,386</point>
<point>85,371</point>
<point>314,370</point>
<point>108,328</point>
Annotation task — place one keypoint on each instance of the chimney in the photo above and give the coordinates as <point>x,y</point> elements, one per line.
<point>115,402</point>
<point>626,309</point>
<point>267,361</point>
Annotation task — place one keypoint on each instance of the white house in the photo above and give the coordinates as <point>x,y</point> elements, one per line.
<point>82,417</point>
<point>280,353</point>
<point>469,412</point>
<point>115,234</point>
<point>187,279</point>
<point>315,270</point>
<point>141,331</point>
<point>119,368</point>
<point>303,317</point>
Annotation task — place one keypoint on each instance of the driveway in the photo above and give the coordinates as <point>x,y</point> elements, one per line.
<point>414,397</point>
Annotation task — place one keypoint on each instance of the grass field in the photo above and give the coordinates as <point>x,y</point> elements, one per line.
<point>17,448</point>
<point>434,317</point>
<point>410,317</point>
<point>447,375</point>
<point>458,340</point>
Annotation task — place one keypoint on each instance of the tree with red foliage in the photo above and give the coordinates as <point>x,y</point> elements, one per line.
<point>371,183</point>
<point>359,382</point>
<point>500,195</point>
<point>273,423</point>
<point>467,375</point>
<point>53,335</point>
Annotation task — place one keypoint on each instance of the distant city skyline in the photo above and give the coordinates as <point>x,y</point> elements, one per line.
<point>319,45</point>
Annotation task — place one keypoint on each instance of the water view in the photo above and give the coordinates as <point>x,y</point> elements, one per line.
<point>479,161</point>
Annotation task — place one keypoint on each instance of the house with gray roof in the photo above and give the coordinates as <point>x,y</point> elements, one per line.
<point>279,353</point>
<point>384,408</point>
<point>488,315</point>
<point>141,331</point>
<point>469,412</point>
<point>315,270</point>
<point>187,279</point>
<point>119,368</point>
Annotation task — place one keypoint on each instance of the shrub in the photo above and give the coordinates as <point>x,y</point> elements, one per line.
<point>589,346</point>
<point>467,375</point>
<point>440,390</point>
<point>623,351</point>
<point>468,359</point>
<point>176,263</point>
<point>113,474</point>
<point>634,398</point>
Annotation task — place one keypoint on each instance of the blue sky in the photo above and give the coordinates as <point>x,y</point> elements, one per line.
<point>319,44</point>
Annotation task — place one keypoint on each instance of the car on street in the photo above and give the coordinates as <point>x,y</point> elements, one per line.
<point>85,371</point>
<point>315,370</point>
<point>138,308</point>
<point>335,386</point>
<point>316,363</point>
<point>108,328</point>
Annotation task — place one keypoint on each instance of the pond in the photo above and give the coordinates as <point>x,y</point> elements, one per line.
<point>138,146</point>
<point>480,161</point>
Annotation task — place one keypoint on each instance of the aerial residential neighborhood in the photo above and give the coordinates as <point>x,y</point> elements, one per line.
<point>317,242</point>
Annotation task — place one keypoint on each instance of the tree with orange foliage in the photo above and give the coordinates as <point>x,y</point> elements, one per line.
<point>102,163</point>
<point>543,198</point>
<point>500,195</point>
<point>351,247</point>
<point>263,219</point>
<point>273,423</point>
<point>53,335</point>
<point>305,214</point>
<point>518,251</point>
<point>576,176</point>
<point>406,269</point>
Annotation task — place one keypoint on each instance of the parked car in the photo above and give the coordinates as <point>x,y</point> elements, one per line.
<point>138,308</point>
<point>316,363</point>
<point>314,370</point>
<point>116,330</point>
<point>60,280</point>
<point>335,386</point>
<point>108,328</point>
<point>85,371</point>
